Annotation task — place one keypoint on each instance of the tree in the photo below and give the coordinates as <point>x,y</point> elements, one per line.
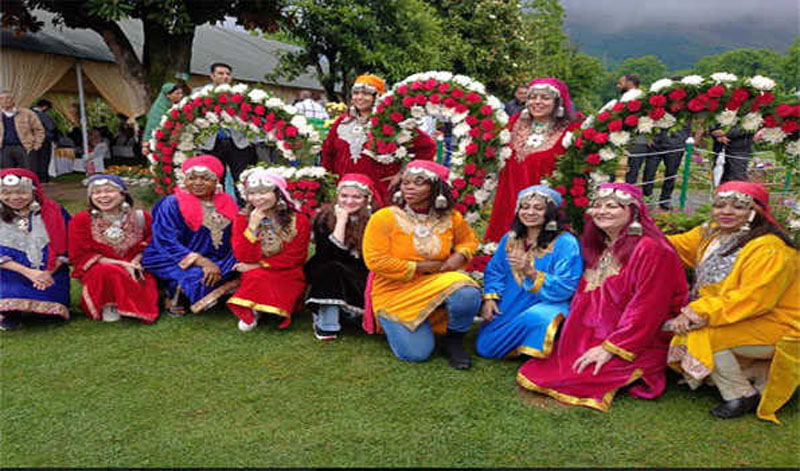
<point>742,62</point>
<point>790,66</point>
<point>549,51</point>
<point>343,38</point>
<point>168,27</point>
<point>648,68</point>
<point>588,81</point>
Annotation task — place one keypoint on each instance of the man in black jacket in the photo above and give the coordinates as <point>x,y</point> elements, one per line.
<point>738,147</point>
<point>41,157</point>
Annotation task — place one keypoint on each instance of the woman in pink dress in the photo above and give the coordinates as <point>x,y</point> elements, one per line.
<point>613,337</point>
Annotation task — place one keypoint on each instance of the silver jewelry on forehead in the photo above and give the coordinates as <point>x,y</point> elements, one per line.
<point>419,171</point>
<point>544,87</point>
<point>105,181</point>
<point>12,180</point>
<point>618,195</point>
<point>363,87</point>
<point>530,194</point>
<point>735,196</point>
<point>354,184</point>
<point>201,170</point>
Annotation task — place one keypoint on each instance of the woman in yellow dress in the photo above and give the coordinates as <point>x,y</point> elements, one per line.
<point>414,251</point>
<point>745,298</point>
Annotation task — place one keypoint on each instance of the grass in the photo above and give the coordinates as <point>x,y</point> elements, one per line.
<point>194,391</point>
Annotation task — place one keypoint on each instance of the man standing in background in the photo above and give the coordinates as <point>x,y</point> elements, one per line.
<point>22,133</point>
<point>41,157</point>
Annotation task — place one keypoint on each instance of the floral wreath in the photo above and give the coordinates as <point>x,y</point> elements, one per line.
<point>723,99</point>
<point>251,111</point>
<point>479,124</point>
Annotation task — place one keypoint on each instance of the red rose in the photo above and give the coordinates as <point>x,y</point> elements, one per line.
<point>658,101</point>
<point>561,190</point>
<point>471,120</point>
<point>259,110</point>
<point>460,108</point>
<point>244,116</point>
<point>230,110</point>
<point>765,98</point>
<point>279,134</point>
<point>237,98</point>
<point>208,101</point>
<point>695,105</point>
<point>631,120</point>
<point>712,105</point>
<point>291,185</point>
<point>271,117</point>
<point>579,142</point>
<point>408,101</point>
<point>618,107</point>
<point>589,133</point>
<point>634,106</point>
<point>657,113</point>
<point>460,207</point>
<point>472,148</point>
<point>581,202</point>
<point>487,124</point>
<point>615,125</point>
<point>388,100</point>
<point>457,93</point>
<point>291,131</point>
<point>444,87</point>
<point>770,121</point>
<point>280,124</point>
<point>159,190</point>
<point>197,102</point>
<point>469,169</point>
<point>246,107</point>
<point>435,98</point>
<point>167,168</point>
<point>298,194</point>
<point>416,86</point>
<point>475,132</point>
<point>314,185</point>
<point>577,190</point>
<point>223,98</point>
<point>602,117</point>
<point>159,134</point>
<point>374,120</point>
<point>454,193</point>
<point>397,117</point>
<point>430,84</point>
<point>469,200</point>
<point>676,106</point>
<point>168,124</point>
<point>481,173</point>
<point>593,159</point>
<point>486,110</point>
<point>784,111</point>
<point>487,136</point>
<point>459,183</point>
<point>269,126</point>
<point>402,90</point>
<point>732,105</point>
<point>491,152</point>
<point>174,114</point>
<point>790,126</point>
<point>391,147</point>
<point>677,95</point>
<point>475,181</point>
<point>797,111</point>
<point>256,120</point>
<point>175,133</point>
<point>450,102</point>
<point>740,94</point>
<point>473,97</point>
<point>576,181</point>
<point>187,108</point>
<point>421,100</point>
<point>167,181</point>
<point>716,91</point>
<point>600,138</point>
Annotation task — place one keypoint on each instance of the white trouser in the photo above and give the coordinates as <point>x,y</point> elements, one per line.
<point>736,367</point>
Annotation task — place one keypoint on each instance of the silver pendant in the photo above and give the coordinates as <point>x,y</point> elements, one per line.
<point>22,224</point>
<point>114,233</point>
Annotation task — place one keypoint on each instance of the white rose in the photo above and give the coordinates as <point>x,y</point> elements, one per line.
<point>606,153</point>
<point>505,153</point>
<point>257,95</point>
<point>494,102</point>
<point>505,136</point>
<point>433,110</point>
<point>401,152</point>
<point>666,122</point>
<point>693,80</point>
<point>501,117</point>
<point>724,77</point>
<point>461,129</point>
<point>481,196</point>
<point>764,84</point>
<point>588,122</point>
<point>417,111</point>
<point>608,106</point>
<point>793,148</point>
<point>212,117</point>
<point>598,178</point>
<point>619,138</point>
<point>179,158</point>
<point>632,94</point>
<point>201,123</point>
<point>298,121</point>
<point>752,121</point>
<point>403,136</point>
<point>409,124</point>
<point>274,103</point>
<point>456,160</point>
<point>186,145</point>
<point>772,135</point>
<point>726,118</point>
<point>239,88</point>
<point>658,85</point>
<point>222,88</point>
<point>566,142</point>
<point>472,217</point>
<point>459,117</point>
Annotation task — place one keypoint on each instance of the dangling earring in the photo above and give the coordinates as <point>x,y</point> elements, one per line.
<point>440,202</point>
<point>397,197</point>
<point>560,112</point>
<point>746,226</point>
<point>551,226</point>
<point>281,205</point>
<point>369,208</point>
<point>635,228</point>
<point>126,207</point>
<point>218,189</point>
<point>35,206</point>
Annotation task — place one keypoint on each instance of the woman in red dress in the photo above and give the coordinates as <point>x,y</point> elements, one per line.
<point>270,240</point>
<point>536,135</point>
<point>105,250</point>
<point>343,150</point>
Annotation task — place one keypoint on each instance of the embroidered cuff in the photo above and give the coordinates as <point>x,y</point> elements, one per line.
<point>250,236</point>
<point>491,296</point>
<point>90,262</point>
<point>695,316</point>
<point>337,242</point>
<point>467,253</point>
<point>263,264</point>
<point>537,282</point>
<point>411,268</point>
<point>618,351</point>
<point>188,260</point>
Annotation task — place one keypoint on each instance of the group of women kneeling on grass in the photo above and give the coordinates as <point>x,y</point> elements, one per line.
<point>593,316</point>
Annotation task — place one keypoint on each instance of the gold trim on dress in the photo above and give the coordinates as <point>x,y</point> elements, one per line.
<point>34,306</point>
<point>626,355</point>
<point>606,267</point>
<point>547,343</point>
<point>602,405</point>
<point>424,229</point>
<point>465,252</point>
<point>430,307</point>
<point>411,269</point>
<point>273,240</point>
<point>211,298</point>
<point>491,296</point>
<point>259,307</point>
<point>91,261</point>
<point>250,236</point>
<point>538,282</point>
<point>96,315</point>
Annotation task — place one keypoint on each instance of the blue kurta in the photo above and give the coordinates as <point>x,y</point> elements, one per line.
<point>530,309</point>
<point>17,292</point>
<point>172,242</point>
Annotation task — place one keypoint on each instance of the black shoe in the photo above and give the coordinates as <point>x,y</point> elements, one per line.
<point>325,334</point>
<point>453,345</point>
<point>665,206</point>
<point>736,407</point>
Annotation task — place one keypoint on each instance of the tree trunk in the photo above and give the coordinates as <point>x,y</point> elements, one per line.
<point>165,54</point>
<point>131,69</point>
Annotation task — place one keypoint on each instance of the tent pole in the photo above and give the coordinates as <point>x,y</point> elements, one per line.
<point>82,103</point>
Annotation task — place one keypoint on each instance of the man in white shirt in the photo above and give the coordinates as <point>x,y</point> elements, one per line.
<point>309,107</point>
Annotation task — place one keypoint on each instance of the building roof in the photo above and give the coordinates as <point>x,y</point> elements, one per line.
<point>251,56</point>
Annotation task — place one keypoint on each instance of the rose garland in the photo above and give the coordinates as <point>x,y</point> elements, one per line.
<point>722,99</point>
<point>240,108</point>
<point>479,122</point>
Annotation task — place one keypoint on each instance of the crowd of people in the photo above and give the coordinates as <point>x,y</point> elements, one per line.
<point>593,313</point>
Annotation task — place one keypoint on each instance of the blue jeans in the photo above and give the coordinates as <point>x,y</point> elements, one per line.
<point>327,318</point>
<point>417,345</point>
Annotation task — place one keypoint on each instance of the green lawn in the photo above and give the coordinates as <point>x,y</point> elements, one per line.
<point>195,391</point>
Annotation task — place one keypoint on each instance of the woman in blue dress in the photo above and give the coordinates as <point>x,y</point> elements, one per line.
<point>529,282</point>
<point>191,251</point>
<point>34,277</point>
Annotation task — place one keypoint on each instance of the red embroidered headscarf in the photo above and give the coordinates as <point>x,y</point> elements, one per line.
<point>189,204</point>
<point>51,216</point>
<point>429,167</point>
<point>759,193</point>
<point>363,183</point>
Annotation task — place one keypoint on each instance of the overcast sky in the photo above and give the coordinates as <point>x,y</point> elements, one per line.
<point>615,15</point>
